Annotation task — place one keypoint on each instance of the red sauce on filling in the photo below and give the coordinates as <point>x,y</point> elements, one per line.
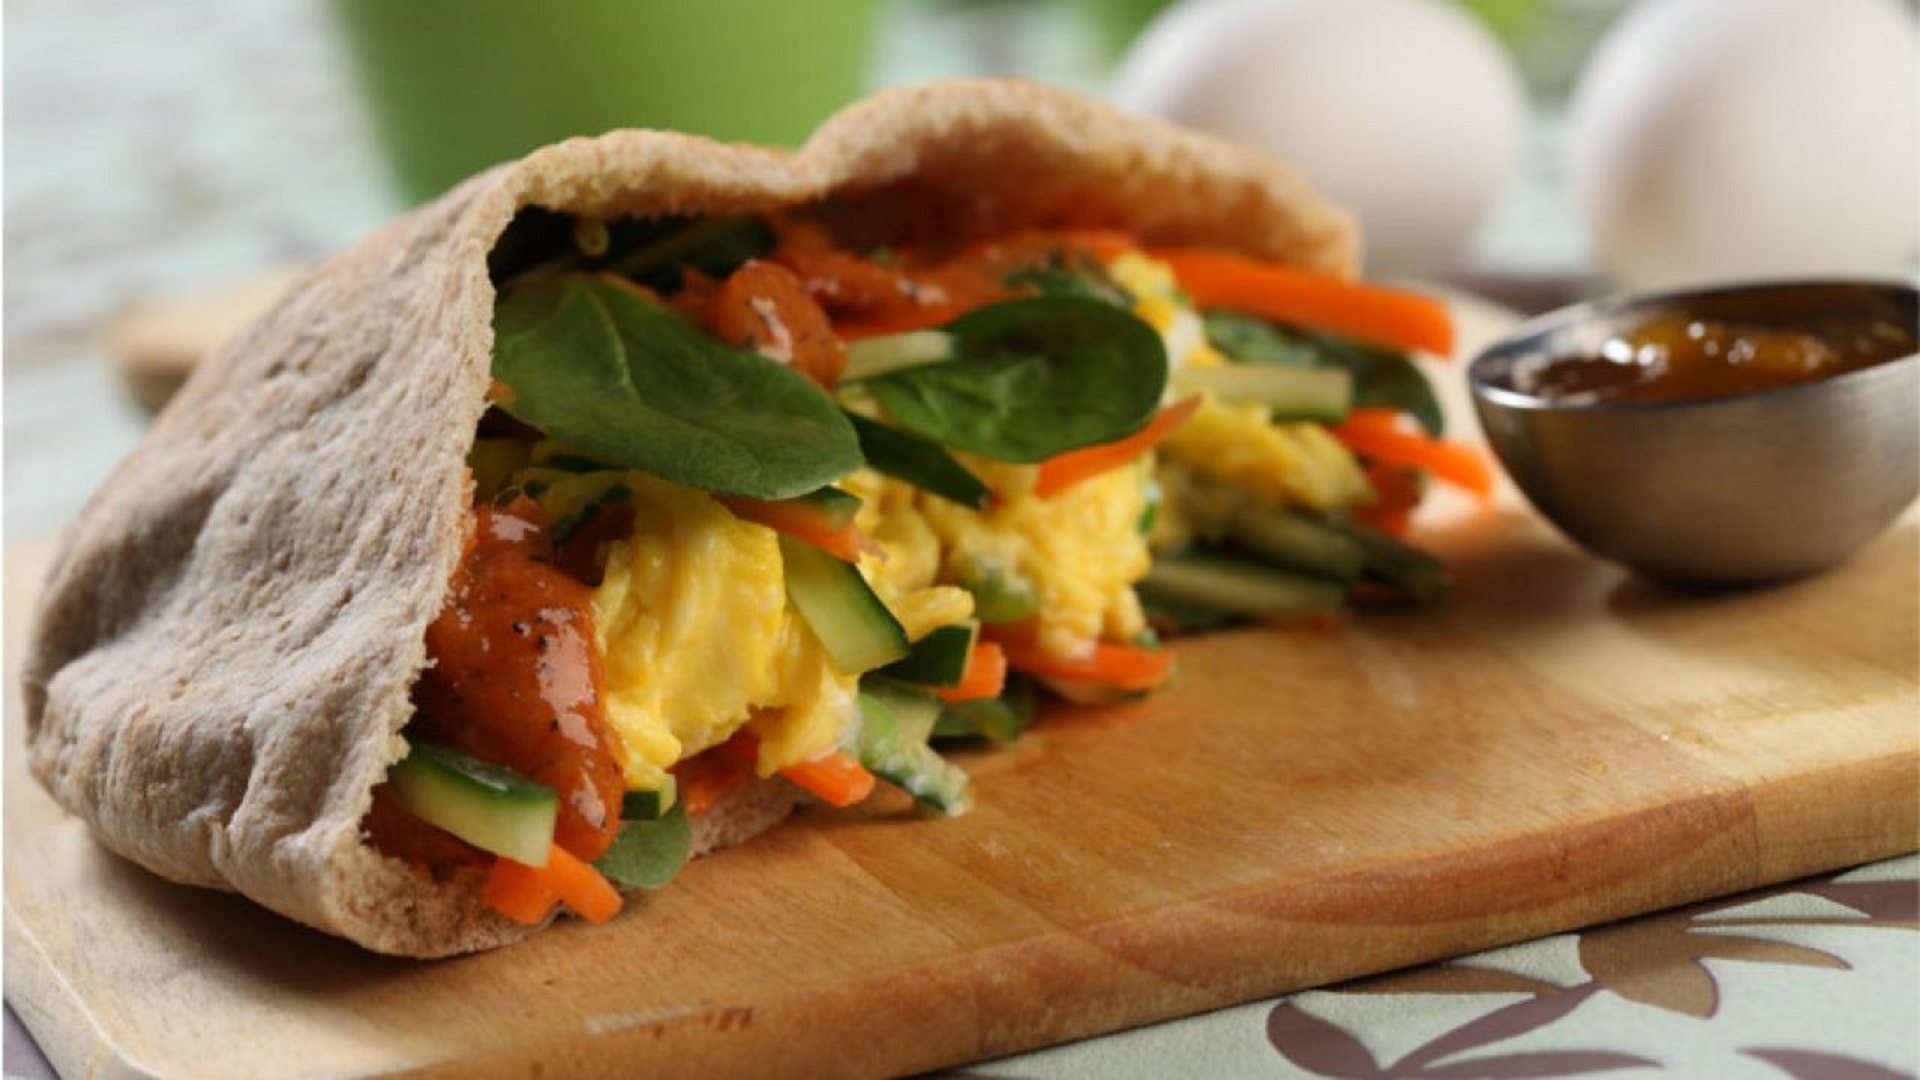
<point>515,678</point>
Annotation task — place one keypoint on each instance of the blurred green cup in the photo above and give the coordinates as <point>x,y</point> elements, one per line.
<point>458,85</point>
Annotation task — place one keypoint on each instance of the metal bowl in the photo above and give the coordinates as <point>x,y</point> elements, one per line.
<point>1728,490</point>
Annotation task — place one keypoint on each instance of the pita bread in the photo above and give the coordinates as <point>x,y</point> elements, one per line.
<point>225,648</point>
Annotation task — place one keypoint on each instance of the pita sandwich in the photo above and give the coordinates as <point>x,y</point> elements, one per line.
<point>226,651</point>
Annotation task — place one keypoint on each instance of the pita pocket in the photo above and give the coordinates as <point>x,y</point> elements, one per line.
<point>226,654</point>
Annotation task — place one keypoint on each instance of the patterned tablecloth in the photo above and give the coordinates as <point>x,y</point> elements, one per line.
<point>135,170</point>
<point>1815,980</point>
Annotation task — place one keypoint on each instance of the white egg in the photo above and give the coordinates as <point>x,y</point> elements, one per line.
<point>1407,112</point>
<point>1730,139</point>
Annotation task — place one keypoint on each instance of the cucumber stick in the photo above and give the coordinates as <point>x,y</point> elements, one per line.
<point>1217,583</point>
<point>491,807</point>
<point>895,724</point>
<point>939,659</point>
<point>871,357</point>
<point>858,631</point>
<point>1293,393</point>
<point>1297,541</point>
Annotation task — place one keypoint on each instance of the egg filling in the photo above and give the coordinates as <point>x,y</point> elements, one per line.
<point>822,508</point>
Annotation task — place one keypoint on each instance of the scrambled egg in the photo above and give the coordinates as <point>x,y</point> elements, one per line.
<point>1237,445</point>
<point>1080,550</point>
<point>698,638</point>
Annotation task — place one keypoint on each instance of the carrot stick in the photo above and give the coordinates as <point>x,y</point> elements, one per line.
<point>1396,494</point>
<point>1065,470</point>
<point>522,893</point>
<point>1372,418</point>
<point>703,778</point>
<point>845,543</point>
<point>985,677</point>
<point>526,894</point>
<point>1400,320</point>
<point>1455,463</point>
<point>581,887</point>
<point>1128,667</point>
<point>838,778</point>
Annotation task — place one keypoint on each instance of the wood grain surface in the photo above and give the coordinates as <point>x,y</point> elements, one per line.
<point>1559,744</point>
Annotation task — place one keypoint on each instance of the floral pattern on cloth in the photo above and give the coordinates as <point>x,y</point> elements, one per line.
<point>1815,980</point>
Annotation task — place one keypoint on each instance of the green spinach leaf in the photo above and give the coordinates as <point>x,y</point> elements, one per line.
<point>659,255</point>
<point>1063,275</point>
<point>648,853</point>
<point>1382,378</point>
<point>1033,378</point>
<point>593,362</point>
<point>919,461</point>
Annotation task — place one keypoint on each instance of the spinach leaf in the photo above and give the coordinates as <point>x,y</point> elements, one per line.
<point>1381,377</point>
<point>647,854</point>
<point>595,363</point>
<point>1063,276</point>
<point>919,461</point>
<point>659,255</point>
<point>1033,378</point>
<point>653,251</point>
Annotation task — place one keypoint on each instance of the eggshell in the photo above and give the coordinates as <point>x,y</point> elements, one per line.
<point>1737,139</point>
<point>1405,111</point>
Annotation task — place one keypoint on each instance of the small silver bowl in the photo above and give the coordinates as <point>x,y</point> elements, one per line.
<point>1730,490</point>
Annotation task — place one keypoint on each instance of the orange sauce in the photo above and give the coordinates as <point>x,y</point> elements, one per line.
<point>917,289</point>
<point>1677,358</point>
<point>516,679</point>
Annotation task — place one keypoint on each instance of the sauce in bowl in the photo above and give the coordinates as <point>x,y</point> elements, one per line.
<point>1677,357</point>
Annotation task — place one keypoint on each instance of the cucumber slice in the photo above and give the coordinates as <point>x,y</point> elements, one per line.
<point>1002,598</point>
<point>489,806</point>
<point>875,356</point>
<point>1000,719</point>
<point>1297,541</point>
<point>644,805</point>
<point>1417,575</point>
<point>939,659</point>
<point>910,712</point>
<point>1182,618</point>
<point>1293,393</point>
<point>1232,586</point>
<point>919,461</point>
<point>859,633</point>
<point>895,723</point>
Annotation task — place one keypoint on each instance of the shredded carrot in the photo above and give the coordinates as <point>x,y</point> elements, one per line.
<point>1396,494</point>
<point>581,887</point>
<point>846,543</point>
<point>838,778</point>
<point>1065,470</point>
<point>703,778</point>
<point>1400,320</point>
<point>522,893</point>
<point>985,677</point>
<point>1128,667</point>
<point>1456,463</point>
<point>1372,418</point>
<point>526,894</point>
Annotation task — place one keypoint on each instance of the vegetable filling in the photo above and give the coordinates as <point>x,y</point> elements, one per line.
<point>752,504</point>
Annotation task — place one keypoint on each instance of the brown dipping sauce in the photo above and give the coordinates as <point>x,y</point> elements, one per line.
<point>1682,358</point>
<point>516,681</point>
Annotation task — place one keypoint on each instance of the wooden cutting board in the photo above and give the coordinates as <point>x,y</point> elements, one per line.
<point>1560,744</point>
